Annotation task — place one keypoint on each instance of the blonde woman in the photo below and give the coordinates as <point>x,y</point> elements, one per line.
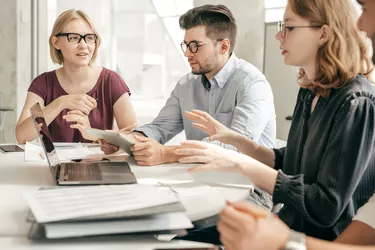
<point>78,95</point>
<point>327,170</point>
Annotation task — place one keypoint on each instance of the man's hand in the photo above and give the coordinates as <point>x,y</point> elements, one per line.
<point>149,152</point>
<point>132,135</point>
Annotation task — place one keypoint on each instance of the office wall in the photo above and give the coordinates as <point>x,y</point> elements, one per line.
<point>15,33</point>
<point>249,15</point>
<point>283,80</point>
<point>8,63</point>
<point>24,48</point>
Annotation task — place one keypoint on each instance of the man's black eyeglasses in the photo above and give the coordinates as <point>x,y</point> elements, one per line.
<point>193,45</point>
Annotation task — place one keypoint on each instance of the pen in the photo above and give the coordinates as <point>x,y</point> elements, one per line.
<point>256,212</point>
<point>129,127</point>
<point>41,155</point>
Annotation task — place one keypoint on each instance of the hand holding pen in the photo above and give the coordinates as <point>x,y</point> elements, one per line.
<point>244,225</point>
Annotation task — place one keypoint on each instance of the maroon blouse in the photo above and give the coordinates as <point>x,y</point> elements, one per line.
<point>108,89</point>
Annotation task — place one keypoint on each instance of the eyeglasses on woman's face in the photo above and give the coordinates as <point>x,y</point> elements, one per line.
<point>76,38</point>
<point>283,28</point>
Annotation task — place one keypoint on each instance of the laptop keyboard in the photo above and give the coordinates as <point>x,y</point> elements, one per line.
<point>83,172</point>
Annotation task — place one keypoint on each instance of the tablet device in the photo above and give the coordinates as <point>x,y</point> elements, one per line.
<point>11,148</point>
<point>112,137</point>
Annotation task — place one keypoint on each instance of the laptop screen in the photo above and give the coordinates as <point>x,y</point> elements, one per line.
<point>44,135</point>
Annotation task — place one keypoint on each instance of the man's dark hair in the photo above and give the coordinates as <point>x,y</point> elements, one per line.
<point>218,20</point>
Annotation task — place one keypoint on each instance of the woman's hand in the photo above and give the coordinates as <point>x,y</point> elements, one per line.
<point>81,122</point>
<point>81,102</point>
<point>243,226</point>
<point>214,157</point>
<point>215,129</point>
<point>108,148</point>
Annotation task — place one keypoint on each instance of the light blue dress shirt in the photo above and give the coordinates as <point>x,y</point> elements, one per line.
<point>240,98</point>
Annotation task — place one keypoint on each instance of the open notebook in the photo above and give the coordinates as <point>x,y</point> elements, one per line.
<point>60,204</point>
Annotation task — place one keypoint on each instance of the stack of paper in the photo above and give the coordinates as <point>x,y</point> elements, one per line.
<point>101,210</point>
<point>35,153</point>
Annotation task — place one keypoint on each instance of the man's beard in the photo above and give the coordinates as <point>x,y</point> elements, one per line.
<point>204,70</point>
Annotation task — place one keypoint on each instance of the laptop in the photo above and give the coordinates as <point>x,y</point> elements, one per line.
<point>78,173</point>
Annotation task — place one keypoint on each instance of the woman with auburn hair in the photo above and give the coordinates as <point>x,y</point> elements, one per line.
<point>326,171</point>
<point>78,95</point>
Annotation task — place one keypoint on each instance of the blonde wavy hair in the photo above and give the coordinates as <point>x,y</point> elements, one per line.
<point>344,55</point>
<point>61,22</point>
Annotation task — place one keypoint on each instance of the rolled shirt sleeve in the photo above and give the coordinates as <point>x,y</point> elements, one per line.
<point>168,123</point>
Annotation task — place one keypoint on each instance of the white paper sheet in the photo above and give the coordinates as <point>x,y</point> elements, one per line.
<point>188,188</point>
<point>35,153</point>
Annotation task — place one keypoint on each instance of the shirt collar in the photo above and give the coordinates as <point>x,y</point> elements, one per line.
<point>226,71</point>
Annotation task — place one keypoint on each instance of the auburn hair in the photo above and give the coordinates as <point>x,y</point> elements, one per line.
<point>344,55</point>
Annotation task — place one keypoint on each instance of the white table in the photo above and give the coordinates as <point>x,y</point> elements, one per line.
<point>17,176</point>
